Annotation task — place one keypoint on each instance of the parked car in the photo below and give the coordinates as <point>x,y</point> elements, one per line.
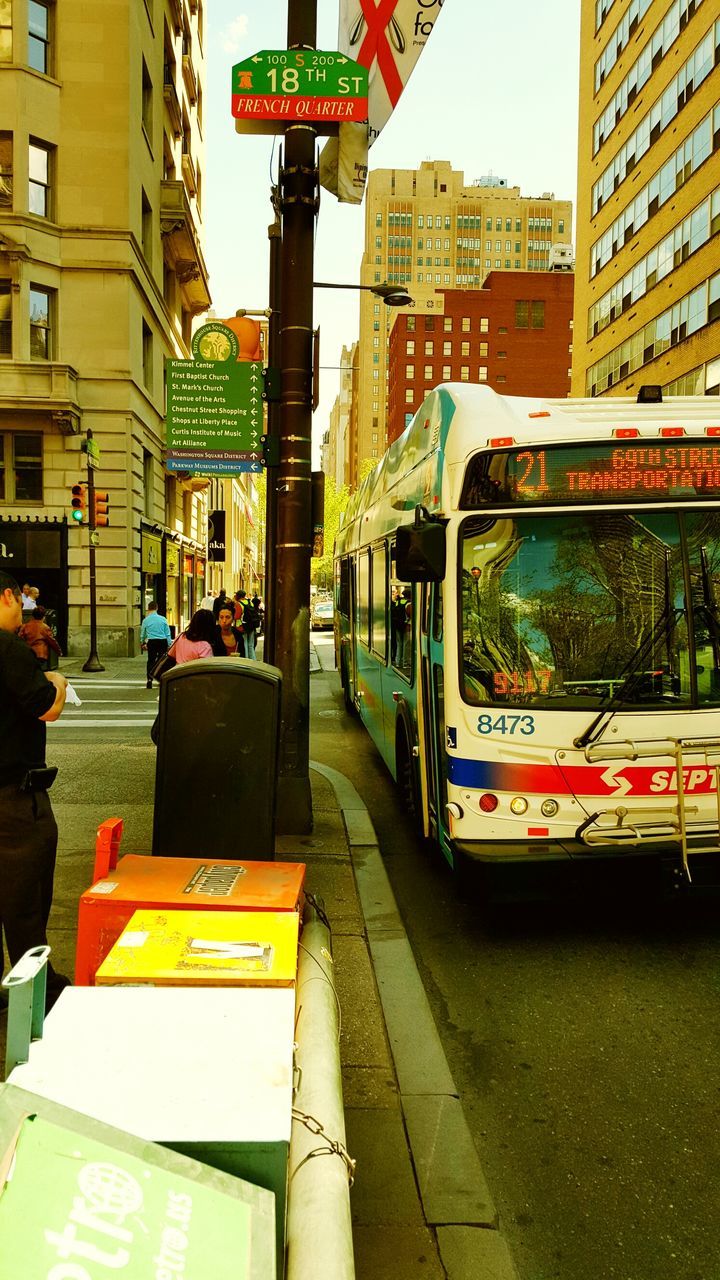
<point>321,615</point>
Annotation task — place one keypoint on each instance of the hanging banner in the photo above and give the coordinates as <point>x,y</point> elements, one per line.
<point>387,37</point>
<point>216,537</point>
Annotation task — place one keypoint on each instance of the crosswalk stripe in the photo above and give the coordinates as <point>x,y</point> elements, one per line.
<point>99,724</point>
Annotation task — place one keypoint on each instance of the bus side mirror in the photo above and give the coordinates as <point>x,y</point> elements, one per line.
<point>420,551</point>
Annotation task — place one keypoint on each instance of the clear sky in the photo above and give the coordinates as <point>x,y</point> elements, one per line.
<point>495,91</point>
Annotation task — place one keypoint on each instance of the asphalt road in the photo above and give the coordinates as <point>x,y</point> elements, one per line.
<point>583,1034</point>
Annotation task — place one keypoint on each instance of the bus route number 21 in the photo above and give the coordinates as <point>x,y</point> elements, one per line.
<point>506,724</point>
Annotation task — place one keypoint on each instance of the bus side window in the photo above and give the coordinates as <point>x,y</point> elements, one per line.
<point>343,600</point>
<point>379,601</point>
<point>363,597</point>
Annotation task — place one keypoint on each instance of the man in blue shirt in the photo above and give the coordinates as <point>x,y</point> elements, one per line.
<point>155,637</point>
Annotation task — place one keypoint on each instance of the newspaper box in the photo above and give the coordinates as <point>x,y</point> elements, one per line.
<point>178,884</point>
<point>205,949</point>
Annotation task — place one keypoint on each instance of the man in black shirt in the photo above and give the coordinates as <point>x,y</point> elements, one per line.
<point>29,697</point>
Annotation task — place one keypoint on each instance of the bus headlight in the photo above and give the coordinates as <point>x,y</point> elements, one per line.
<point>549,808</point>
<point>518,805</point>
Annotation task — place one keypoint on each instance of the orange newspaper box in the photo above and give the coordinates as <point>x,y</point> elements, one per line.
<point>204,949</point>
<point>180,884</point>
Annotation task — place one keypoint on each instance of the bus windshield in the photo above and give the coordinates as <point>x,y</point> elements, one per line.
<point>577,611</point>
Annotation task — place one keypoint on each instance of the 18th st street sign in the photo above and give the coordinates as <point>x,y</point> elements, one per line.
<point>299,84</point>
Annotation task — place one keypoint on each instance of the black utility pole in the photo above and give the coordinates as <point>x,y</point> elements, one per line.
<point>93,663</point>
<point>298,205</point>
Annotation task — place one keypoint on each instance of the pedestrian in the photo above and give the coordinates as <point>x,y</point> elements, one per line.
<point>38,635</point>
<point>155,637</point>
<point>397,625</point>
<point>250,623</point>
<point>229,640</point>
<point>29,698</point>
<point>220,599</point>
<point>196,641</point>
<point>28,603</point>
<point>208,601</point>
<point>258,606</point>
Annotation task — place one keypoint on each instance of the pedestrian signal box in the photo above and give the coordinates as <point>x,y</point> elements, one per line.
<point>101,509</point>
<point>77,502</point>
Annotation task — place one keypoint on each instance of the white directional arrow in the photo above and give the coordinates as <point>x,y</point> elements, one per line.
<point>256,58</point>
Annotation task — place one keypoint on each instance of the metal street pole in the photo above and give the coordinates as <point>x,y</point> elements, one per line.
<point>298,205</point>
<point>93,662</point>
<point>273,431</point>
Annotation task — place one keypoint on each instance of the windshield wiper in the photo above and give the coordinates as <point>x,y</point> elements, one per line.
<point>632,671</point>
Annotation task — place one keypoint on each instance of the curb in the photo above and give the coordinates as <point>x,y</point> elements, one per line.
<point>453,1190</point>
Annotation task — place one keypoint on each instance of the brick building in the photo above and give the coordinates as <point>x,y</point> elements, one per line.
<point>515,334</point>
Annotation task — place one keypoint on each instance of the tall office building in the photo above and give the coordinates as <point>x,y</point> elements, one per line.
<point>101,274</point>
<point>425,230</point>
<point>647,289</point>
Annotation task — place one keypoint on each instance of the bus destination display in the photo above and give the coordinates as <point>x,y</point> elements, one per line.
<point>595,473</point>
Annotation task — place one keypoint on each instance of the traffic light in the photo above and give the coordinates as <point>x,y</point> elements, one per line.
<point>77,503</point>
<point>101,509</point>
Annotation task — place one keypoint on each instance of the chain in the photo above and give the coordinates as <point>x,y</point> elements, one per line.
<point>332,1147</point>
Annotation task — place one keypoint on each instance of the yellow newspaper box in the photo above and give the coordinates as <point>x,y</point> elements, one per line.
<point>204,949</point>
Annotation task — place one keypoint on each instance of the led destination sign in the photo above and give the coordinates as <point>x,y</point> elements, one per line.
<point>594,473</point>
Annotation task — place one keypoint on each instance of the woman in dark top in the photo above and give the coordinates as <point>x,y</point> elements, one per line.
<point>228,641</point>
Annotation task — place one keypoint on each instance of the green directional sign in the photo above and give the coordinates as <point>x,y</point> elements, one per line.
<point>214,405</point>
<point>299,84</point>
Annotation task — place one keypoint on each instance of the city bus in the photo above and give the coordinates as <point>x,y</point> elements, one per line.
<point>526,605</point>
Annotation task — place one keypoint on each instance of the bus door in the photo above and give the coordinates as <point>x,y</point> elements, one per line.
<point>433,753</point>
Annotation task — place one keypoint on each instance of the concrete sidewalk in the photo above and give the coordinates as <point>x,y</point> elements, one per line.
<point>420,1204</point>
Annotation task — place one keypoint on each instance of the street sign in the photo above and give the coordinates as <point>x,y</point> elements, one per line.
<point>299,84</point>
<point>209,465</point>
<point>92,449</point>
<point>214,405</point>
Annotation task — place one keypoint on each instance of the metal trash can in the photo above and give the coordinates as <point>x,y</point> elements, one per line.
<point>217,760</point>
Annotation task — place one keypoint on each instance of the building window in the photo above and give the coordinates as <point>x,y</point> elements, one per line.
<point>501,378</point>
<point>378,219</point>
<point>6,31</point>
<point>147,356</point>
<point>6,170</point>
<point>146,227</point>
<point>464,348</point>
<point>376,357</point>
<point>498,224</point>
<point>447,348</point>
<point>411,324</point>
<point>502,355</point>
<point>522,315</point>
<point>447,324</point>
<point>537,315</point>
<point>483,348</point>
<point>484,324</point>
<point>446,372</point>
<point>41,301</point>
<point>428,374</point>
<point>409,372</point>
<point>409,395</point>
<point>464,373</point>
<point>5,318</point>
<point>429,347</point>
<point>465,324</point>
<point>482,373</point>
<point>38,35</point>
<point>39,166</point>
<point>410,347</point>
<point>21,466</point>
<point>147,101</point>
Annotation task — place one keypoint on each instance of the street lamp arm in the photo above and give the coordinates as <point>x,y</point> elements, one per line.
<point>391,295</point>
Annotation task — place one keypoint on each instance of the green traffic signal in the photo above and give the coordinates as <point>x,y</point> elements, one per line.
<point>78,503</point>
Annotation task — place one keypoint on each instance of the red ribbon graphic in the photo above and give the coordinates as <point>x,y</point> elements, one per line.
<point>375,45</point>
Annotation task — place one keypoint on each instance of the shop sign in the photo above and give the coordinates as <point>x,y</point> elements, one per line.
<point>172,561</point>
<point>151,553</point>
<point>216,537</point>
<point>199,569</point>
<point>188,566</point>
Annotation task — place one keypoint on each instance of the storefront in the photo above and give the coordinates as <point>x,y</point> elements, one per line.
<point>36,552</point>
<point>172,584</point>
<point>152,586</point>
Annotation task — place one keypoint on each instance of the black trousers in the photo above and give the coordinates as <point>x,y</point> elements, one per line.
<point>28,847</point>
<point>155,651</point>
